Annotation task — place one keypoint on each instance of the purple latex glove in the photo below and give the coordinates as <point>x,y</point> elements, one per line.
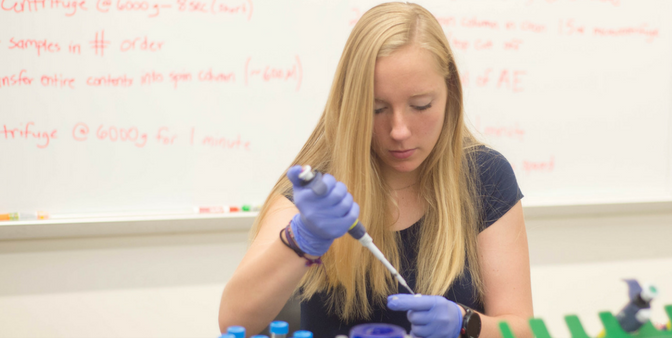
<point>430,316</point>
<point>322,218</point>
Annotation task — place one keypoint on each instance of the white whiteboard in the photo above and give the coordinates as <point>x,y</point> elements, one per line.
<point>162,104</point>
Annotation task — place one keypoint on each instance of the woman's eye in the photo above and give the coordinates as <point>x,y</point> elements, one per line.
<point>427,106</point>
<point>378,110</point>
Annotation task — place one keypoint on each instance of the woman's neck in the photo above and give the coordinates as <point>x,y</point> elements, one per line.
<point>398,181</point>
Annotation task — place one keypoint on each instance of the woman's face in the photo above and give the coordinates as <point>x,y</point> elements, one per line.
<point>410,102</point>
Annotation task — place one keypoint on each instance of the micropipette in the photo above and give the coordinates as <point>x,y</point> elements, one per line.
<point>357,230</point>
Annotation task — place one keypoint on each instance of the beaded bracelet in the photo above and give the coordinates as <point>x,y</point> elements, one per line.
<point>290,242</point>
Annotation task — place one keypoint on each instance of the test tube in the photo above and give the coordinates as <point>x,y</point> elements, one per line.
<point>227,335</point>
<point>303,334</point>
<point>236,331</point>
<point>279,329</point>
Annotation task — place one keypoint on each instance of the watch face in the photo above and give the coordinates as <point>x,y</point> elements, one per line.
<point>472,325</point>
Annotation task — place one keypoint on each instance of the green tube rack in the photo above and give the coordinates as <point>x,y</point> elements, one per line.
<point>611,328</point>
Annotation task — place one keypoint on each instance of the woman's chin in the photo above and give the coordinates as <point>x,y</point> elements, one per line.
<point>405,167</point>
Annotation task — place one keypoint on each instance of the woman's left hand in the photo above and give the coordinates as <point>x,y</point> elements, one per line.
<point>430,316</point>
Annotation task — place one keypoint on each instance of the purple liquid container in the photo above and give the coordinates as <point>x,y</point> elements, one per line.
<point>377,331</point>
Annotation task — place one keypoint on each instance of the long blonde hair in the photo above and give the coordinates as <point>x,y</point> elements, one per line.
<point>341,146</point>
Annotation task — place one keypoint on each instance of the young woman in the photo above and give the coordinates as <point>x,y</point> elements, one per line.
<point>444,209</point>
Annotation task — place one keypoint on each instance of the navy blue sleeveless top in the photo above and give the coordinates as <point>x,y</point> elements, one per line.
<point>499,193</point>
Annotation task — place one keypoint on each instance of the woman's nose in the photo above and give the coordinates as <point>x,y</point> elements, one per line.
<point>400,129</point>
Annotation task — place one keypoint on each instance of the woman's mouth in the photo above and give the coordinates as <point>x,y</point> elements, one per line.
<point>402,154</point>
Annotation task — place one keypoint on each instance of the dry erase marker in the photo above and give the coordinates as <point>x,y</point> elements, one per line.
<point>250,207</point>
<point>246,208</point>
<point>216,209</point>
<point>209,210</point>
<point>24,216</point>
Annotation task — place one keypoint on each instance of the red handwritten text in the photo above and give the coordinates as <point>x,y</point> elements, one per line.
<point>176,78</point>
<point>511,80</point>
<point>474,22</point>
<point>528,26</point>
<point>513,132</point>
<point>507,79</point>
<point>273,73</point>
<point>43,137</point>
<point>57,81</point>
<point>154,9</point>
<point>80,132</point>
<point>357,14</point>
<point>480,44</point>
<point>226,143</point>
<point>642,30</point>
<point>20,6</point>
<point>109,81</point>
<point>16,79</point>
<point>501,131</point>
<point>539,166</point>
<point>39,45</point>
<point>164,136</point>
<point>210,76</point>
<point>142,44</point>
<point>483,44</point>
<point>512,44</point>
<point>151,77</point>
<point>570,27</point>
<point>115,134</point>
<point>216,7</point>
<point>458,43</point>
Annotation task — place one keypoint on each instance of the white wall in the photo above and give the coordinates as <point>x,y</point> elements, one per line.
<point>169,284</point>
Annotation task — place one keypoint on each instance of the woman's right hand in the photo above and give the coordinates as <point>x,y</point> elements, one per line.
<point>322,218</point>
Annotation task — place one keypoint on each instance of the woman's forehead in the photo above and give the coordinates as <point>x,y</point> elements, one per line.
<point>411,72</point>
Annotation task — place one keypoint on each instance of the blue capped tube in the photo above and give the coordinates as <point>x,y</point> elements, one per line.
<point>279,329</point>
<point>303,334</point>
<point>236,331</point>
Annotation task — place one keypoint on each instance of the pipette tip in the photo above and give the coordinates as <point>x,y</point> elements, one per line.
<point>402,281</point>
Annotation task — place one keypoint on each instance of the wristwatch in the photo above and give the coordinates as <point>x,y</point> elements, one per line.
<point>471,323</point>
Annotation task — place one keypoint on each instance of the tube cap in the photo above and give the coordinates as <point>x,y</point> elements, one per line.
<point>303,334</point>
<point>237,331</point>
<point>279,327</point>
<point>649,292</point>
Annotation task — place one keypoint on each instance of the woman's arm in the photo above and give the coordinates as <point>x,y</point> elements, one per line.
<point>266,277</point>
<point>505,269</point>
<point>270,271</point>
